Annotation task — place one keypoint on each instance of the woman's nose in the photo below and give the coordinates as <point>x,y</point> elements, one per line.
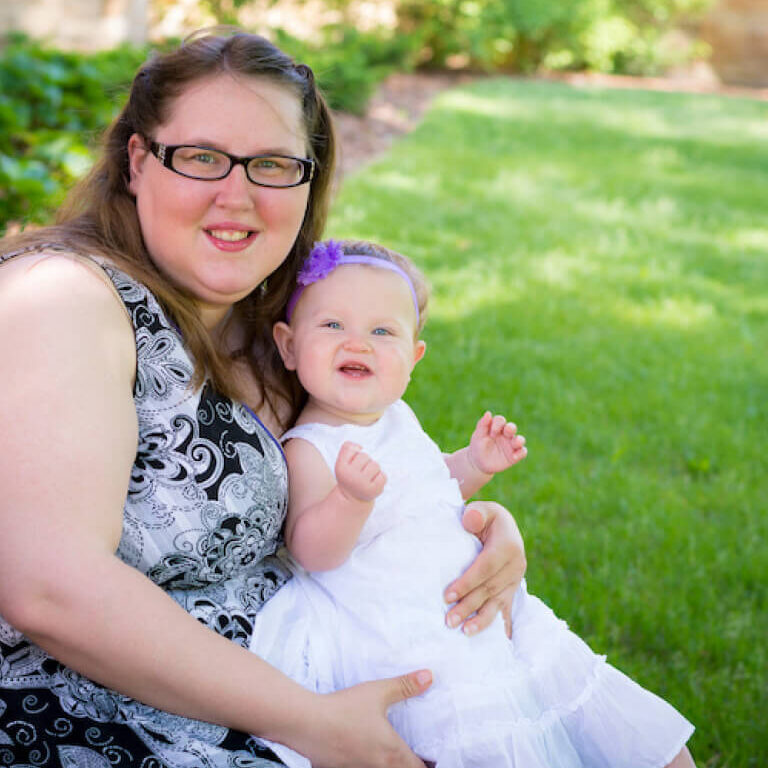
<point>235,191</point>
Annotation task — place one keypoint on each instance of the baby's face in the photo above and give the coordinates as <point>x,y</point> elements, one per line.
<point>352,342</point>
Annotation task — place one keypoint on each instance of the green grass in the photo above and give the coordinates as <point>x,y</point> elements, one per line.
<point>599,262</point>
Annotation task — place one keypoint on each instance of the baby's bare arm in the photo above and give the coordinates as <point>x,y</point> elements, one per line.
<point>326,514</point>
<point>494,447</point>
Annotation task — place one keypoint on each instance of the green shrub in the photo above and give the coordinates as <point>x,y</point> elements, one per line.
<point>53,104</point>
<point>620,36</point>
<point>349,64</point>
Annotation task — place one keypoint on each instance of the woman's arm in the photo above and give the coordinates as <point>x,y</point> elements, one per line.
<point>68,435</point>
<point>489,584</point>
<point>326,514</point>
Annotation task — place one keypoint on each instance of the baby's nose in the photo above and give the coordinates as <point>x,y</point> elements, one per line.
<point>357,343</point>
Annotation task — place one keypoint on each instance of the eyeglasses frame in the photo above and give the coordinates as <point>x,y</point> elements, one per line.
<point>164,153</point>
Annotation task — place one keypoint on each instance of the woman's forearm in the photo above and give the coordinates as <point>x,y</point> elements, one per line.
<point>110,623</point>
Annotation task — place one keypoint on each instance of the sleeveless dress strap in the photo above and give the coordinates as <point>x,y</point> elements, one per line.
<point>93,262</point>
<point>37,247</point>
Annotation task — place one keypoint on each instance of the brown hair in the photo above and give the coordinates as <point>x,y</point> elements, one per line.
<point>99,216</point>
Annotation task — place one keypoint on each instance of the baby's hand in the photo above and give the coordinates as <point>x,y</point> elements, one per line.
<point>495,444</point>
<point>358,475</point>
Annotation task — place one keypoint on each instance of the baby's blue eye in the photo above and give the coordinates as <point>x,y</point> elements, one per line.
<point>333,324</point>
<point>382,332</point>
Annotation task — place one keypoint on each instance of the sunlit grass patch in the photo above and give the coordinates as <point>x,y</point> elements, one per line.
<point>600,270</point>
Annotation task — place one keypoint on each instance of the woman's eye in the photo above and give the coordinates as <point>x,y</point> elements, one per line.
<point>206,158</point>
<point>269,166</point>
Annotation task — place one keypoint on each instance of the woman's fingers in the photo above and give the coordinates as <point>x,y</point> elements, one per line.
<point>404,687</point>
<point>361,732</point>
<point>477,609</point>
<point>489,584</point>
<point>486,613</point>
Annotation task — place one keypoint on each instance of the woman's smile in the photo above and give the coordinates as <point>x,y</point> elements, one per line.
<point>230,237</point>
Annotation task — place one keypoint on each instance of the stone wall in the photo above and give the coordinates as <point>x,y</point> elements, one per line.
<point>81,24</point>
<point>737,31</point>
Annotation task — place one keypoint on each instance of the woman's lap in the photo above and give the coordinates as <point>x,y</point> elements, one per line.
<point>36,731</point>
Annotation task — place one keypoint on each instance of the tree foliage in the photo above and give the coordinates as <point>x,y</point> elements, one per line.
<point>519,35</point>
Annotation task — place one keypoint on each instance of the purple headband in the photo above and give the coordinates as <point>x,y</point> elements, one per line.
<point>325,257</point>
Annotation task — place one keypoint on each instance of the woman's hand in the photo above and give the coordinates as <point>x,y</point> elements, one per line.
<point>490,583</point>
<point>352,730</point>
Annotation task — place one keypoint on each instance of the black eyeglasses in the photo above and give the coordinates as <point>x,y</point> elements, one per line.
<point>209,164</point>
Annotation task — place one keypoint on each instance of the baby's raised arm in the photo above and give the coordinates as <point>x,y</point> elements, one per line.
<point>326,514</point>
<point>493,447</point>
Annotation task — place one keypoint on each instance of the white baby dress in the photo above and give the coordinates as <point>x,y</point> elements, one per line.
<point>540,700</point>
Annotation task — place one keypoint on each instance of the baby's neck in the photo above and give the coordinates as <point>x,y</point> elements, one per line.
<point>319,413</point>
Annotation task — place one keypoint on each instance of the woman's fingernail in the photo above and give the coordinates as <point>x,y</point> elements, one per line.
<point>451,597</point>
<point>453,620</point>
<point>470,629</point>
<point>423,678</point>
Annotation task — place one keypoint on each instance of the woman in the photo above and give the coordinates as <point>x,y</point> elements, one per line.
<point>141,490</point>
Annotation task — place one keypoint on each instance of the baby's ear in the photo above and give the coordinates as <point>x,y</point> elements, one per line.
<point>419,349</point>
<point>283,336</point>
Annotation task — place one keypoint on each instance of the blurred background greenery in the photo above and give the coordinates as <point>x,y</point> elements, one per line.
<point>598,260</point>
<point>54,103</point>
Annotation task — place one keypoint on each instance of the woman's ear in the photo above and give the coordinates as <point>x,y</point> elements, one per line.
<point>137,154</point>
<point>283,336</point>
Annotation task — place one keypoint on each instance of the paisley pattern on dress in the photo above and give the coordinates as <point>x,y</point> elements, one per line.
<point>206,500</point>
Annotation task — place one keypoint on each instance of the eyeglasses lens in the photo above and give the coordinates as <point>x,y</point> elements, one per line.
<point>200,163</point>
<point>273,171</point>
<point>276,171</point>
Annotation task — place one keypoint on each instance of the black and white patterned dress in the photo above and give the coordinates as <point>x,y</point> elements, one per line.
<point>206,501</point>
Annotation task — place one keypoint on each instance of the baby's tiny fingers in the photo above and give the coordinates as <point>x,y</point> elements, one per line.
<point>348,451</point>
<point>361,460</point>
<point>370,470</point>
<point>497,425</point>
<point>510,429</point>
<point>378,482</point>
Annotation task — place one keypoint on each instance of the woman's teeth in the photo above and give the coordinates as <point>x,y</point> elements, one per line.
<point>230,235</point>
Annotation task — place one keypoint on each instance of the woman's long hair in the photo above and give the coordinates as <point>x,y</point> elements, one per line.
<point>99,216</point>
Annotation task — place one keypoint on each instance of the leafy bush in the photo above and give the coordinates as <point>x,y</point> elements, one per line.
<point>349,64</point>
<point>53,104</point>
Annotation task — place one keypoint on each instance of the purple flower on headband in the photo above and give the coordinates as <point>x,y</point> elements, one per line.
<point>322,260</point>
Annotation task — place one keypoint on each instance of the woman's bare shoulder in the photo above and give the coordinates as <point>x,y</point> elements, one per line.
<point>51,281</point>
<point>70,297</point>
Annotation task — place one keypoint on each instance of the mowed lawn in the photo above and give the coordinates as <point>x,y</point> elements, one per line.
<point>599,260</point>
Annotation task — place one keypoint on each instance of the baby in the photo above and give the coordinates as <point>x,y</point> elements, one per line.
<point>374,527</point>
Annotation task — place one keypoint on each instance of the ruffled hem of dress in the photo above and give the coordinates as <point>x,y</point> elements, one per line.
<point>570,710</point>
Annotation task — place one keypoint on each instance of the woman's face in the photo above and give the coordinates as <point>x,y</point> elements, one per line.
<point>220,239</point>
